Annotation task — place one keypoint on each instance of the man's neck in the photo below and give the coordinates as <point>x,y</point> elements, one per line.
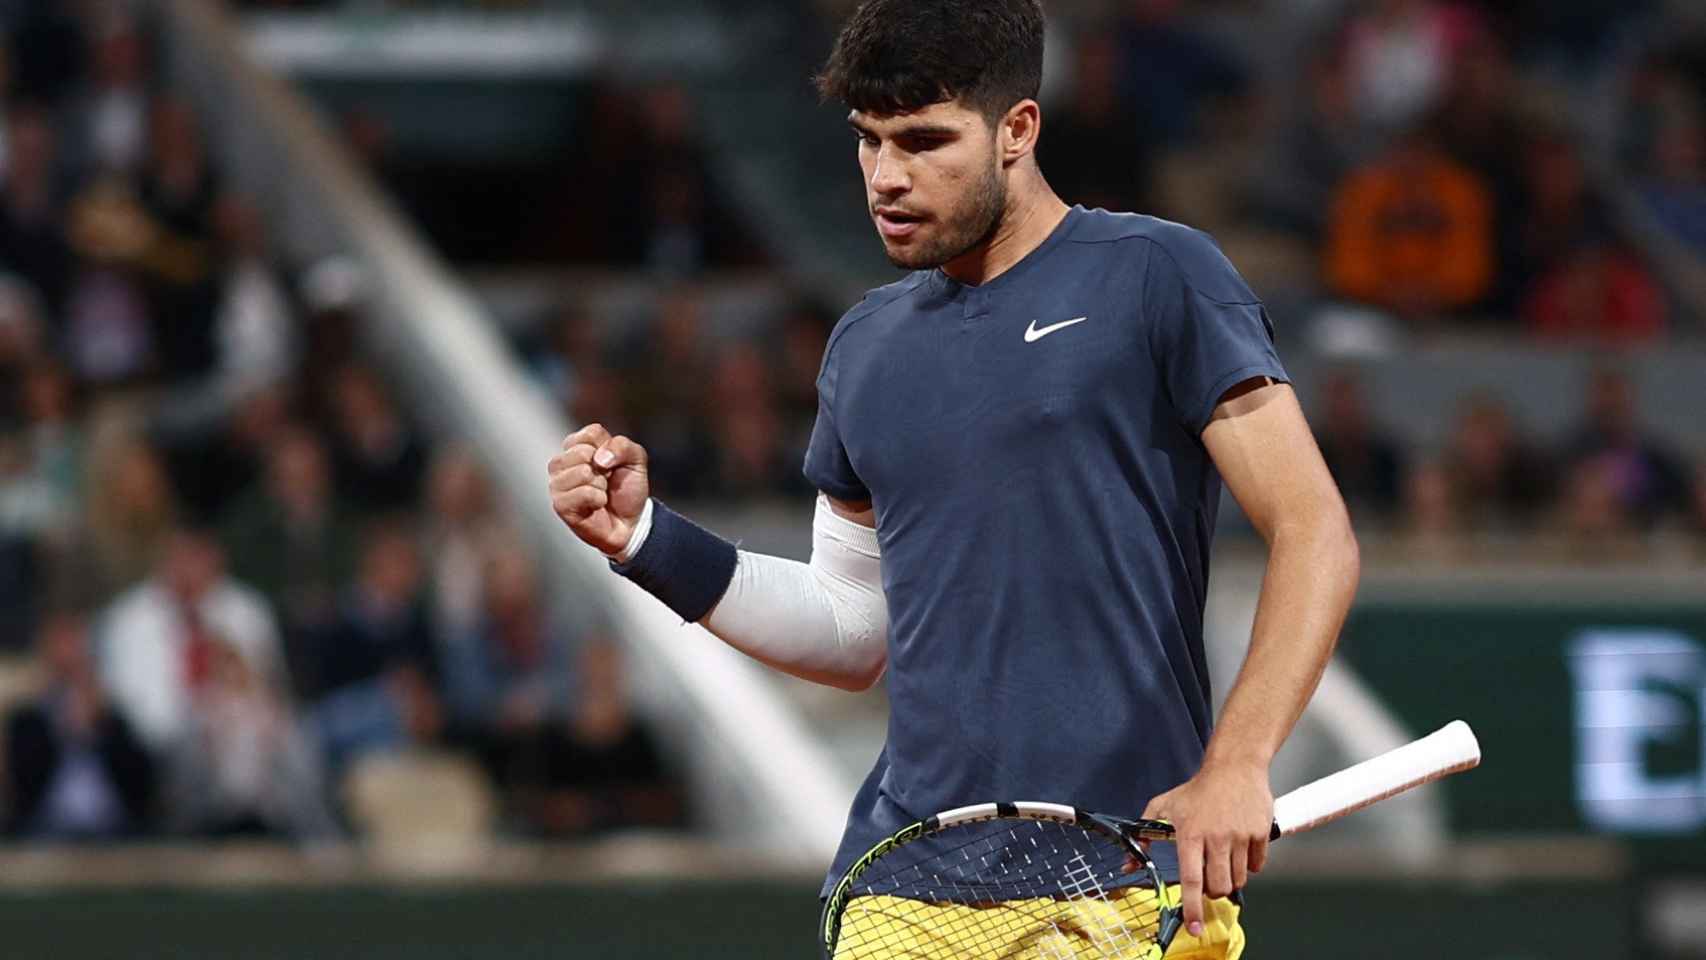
<point>1023,228</point>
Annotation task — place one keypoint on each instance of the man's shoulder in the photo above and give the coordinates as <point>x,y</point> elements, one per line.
<point>142,601</point>
<point>1171,250</point>
<point>893,297</point>
<point>239,601</point>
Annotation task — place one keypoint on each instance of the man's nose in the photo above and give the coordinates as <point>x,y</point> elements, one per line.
<point>888,176</point>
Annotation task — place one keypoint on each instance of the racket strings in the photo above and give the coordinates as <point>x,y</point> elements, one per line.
<point>1010,889</point>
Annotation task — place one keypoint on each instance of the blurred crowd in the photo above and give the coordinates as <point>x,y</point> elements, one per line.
<point>726,416</point>
<point>724,409</point>
<point>1431,159</point>
<point>1428,169</point>
<point>234,574</point>
<point>1605,492</point>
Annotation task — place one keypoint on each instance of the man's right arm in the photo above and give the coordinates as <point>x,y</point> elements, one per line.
<point>824,621</point>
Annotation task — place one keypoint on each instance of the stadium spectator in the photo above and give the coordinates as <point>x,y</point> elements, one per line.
<point>1432,527</point>
<point>33,519</point>
<point>110,116</point>
<point>22,339</point>
<point>1597,294</point>
<point>215,471</point>
<point>1478,119</point>
<point>160,642</point>
<point>459,528</point>
<point>1173,76</point>
<point>108,327</point>
<point>33,195</point>
<point>245,767</point>
<point>179,189</point>
<point>129,511</point>
<point>749,456</point>
<point>571,349</point>
<point>805,330</point>
<point>1674,186</point>
<point>251,329</point>
<point>53,428</point>
<point>1411,232</point>
<point>664,392</point>
<point>1364,459</point>
<point>376,667</point>
<point>1556,213</point>
<point>685,227</point>
<point>1311,155</point>
<point>1400,54</point>
<point>1593,514</point>
<point>598,395</point>
<point>607,772</point>
<point>294,542</point>
<point>40,485</point>
<point>508,674</point>
<point>378,460</point>
<point>1095,154</point>
<point>179,185</point>
<point>74,768</point>
<point>1501,480</point>
<point>1611,449</point>
<point>334,295</point>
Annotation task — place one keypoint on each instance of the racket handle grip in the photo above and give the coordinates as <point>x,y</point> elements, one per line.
<point>1448,750</point>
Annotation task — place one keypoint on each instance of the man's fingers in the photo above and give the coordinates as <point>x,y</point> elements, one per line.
<point>1190,882</point>
<point>619,452</point>
<point>1157,808</point>
<point>593,434</point>
<point>1258,854</point>
<point>579,502</point>
<point>573,456</point>
<point>582,475</point>
<point>1217,868</point>
<point>1240,865</point>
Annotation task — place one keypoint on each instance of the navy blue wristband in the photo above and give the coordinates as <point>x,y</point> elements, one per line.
<point>681,563</point>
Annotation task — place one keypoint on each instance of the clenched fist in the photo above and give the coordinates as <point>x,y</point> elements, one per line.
<point>599,486</point>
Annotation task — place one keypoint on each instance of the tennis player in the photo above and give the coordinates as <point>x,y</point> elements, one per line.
<point>1020,447</point>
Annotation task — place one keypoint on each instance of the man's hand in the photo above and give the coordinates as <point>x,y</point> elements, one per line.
<point>1221,818</point>
<point>599,486</point>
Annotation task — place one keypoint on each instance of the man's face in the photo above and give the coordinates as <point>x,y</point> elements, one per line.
<point>193,564</point>
<point>933,181</point>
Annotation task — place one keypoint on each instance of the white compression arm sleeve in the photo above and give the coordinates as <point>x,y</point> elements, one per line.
<point>825,621</point>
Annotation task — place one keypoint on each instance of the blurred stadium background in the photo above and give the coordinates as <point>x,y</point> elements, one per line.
<point>298,296</point>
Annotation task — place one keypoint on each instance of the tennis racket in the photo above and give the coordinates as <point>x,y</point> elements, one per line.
<point>1043,880</point>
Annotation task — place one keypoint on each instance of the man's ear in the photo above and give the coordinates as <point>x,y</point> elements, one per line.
<point>1020,126</point>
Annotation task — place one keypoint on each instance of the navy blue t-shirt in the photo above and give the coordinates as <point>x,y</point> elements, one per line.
<point>1044,505</point>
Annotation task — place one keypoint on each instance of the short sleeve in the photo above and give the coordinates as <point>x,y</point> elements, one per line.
<point>1209,331</point>
<point>827,466</point>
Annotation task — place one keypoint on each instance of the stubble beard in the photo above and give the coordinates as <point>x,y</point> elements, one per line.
<point>968,227</point>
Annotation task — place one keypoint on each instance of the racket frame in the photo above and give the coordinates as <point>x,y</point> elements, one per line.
<point>1448,750</point>
<point>1125,833</point>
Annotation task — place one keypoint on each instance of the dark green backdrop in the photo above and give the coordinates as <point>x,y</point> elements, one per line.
<point>1506,669</point>
<point>1360,920</point>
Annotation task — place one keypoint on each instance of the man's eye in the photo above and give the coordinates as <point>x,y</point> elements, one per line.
<point>866,139</point>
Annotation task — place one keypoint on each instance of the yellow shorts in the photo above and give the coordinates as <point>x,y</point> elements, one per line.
<point>1028,929</point>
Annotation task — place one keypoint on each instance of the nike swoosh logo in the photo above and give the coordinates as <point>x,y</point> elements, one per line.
<point>1032,334</point>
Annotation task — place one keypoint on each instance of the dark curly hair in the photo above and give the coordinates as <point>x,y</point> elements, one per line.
<point>897,56</point>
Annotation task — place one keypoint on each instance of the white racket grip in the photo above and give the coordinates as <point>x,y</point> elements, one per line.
<point>1448,750</point>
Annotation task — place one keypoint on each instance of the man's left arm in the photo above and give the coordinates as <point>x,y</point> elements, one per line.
<point>1262,445</point>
